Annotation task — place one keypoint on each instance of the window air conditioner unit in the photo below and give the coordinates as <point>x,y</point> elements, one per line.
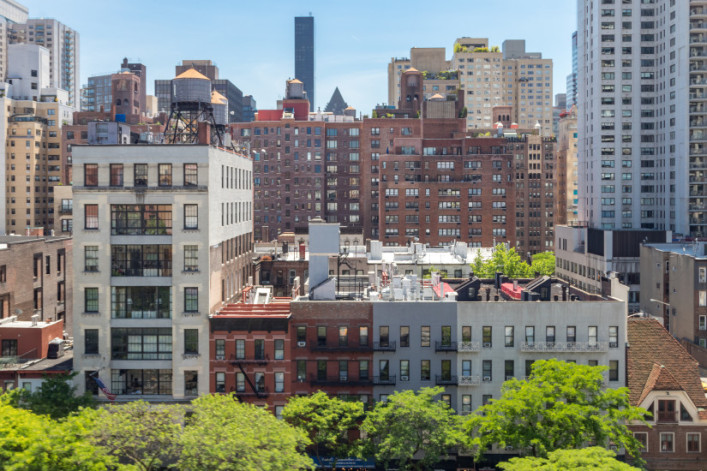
<point>404,378</point>
<point>487,345</point>
<point>301,344</point>
<point>487,379</point>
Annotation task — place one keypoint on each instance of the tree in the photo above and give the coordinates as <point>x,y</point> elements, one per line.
<point>223,434</point>
<point>56,397</point>
<point>585,459</point>
<point>30,442</point>
<point>543,263</point>
<point>409,424</point>
<point>326,421</point>
<point>146,435</point>
<point>504,260</point>
<point>562,405</point>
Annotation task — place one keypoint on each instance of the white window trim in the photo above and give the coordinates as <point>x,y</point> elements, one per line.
<point>699,442</point>
<point>660,441</point>
<point>642,433</point>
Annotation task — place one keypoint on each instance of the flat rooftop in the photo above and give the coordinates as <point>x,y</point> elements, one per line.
<point>691,249</point>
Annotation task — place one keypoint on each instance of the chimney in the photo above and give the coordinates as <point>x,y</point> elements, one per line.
<point>564,292</point>
<point>204,133</point>
<point>35,319</point>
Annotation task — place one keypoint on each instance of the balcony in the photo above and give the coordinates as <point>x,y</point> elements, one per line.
<point>446,380</point>
<point>570,347</point>
<point>667,416</point>
<point>338,380</point>
<point>384,380</point>
<point>469,381</point>
<point>469,347</point>
<point>444,346</point>
<point>384,346</point>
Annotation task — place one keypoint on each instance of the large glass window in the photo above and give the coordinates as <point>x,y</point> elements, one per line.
<point>141,382</point>
<point>90,216</point>
<point>90,175</point>
<point>141,343</point>
<point>165,174</point>
<point>91,258</point>
<point>141,219</point>
<point>191,174</point>
<point>141,260</point>
<point>141,302</point>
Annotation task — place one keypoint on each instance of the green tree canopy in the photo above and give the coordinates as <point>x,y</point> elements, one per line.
<point>223,434</point>
<point>508,262</point>
<point>30,442</point>
<point>585,459</point>
<point>409,424</point>
<point>55,397</point>
<point>145,435</point>
<point>326,421</point>
<point>543,263</point>
<point>562,405</point>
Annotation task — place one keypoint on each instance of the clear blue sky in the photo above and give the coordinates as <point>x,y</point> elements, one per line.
<point>252,42</point>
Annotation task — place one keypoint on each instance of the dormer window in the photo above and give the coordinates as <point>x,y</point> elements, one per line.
<point>666,410</point>
<point>684,414</point>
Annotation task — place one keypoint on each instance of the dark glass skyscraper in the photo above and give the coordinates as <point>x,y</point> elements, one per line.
<point>304,55</point>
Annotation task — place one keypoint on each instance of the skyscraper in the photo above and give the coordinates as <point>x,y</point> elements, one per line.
<point>572,78</point>
<point>304,55</point>
<point>642,96</point>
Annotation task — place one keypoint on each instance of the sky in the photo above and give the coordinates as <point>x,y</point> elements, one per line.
<point>252,43</point>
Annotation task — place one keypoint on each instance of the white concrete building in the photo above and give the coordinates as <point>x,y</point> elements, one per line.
<point>642,96</point>
<point>27,71</point>
<point>163,237</point>
<point>11,13</point>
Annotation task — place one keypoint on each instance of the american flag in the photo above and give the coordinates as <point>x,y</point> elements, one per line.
<point>104,388</point>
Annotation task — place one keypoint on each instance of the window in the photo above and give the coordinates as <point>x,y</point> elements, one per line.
<point>613,336</point>
<point>191,383</point>
<point>140,175</point>
<point>363,336</point>
<point>530,335</point>
<point>91,258</point>
<point>642,438</point>
<point>363,369</point>
<point>404,370</point>
<point>116,174</point>
<point>703,275</point>
<point>509,337</point>
<point>571,335</point>
<point>191,258</point>
<point>425,336</point>
<point>486,336</point>
<point>3,274</point>
<point>90,342</point>
<point>666,442</point>
<point>384,370</point>
<point>191,216</point>
<point>301,333</point>
<point>592,333</point>
<point>466,368</point>
<point>702,323</point>
<point>466,334</point>
<point>446,336</point>
<point>91,300</point>
<point>90,216</point>
<point>279,382</point>
<point>191,175</point>
<point>509,369</point>
<point>528,367</point>
<point>550,335</point>
<point>693,442</point>
<point>321,336</point>
<point>9,348</point>
<point>191,341</point>
<point>425,370</point>
<point>240,382</point>
<point>220,350</point>
<point>220,382</point>
<point>487,370</point>
<point>466,404</point>
<point>141,344</point>
<point>141,302</point>
<point>279,349</point>
<point>138,382</point>
<point>702,298</point>
<point>141,219</point>
<point>165,174</point>
<point>259,349</point>
<point>191,299</point>
<point>613,370</point>
<point>90,175</point>
<point>240,349</point>
<point>404,336</point>
<point>343,336</point>
<point>446,399</point>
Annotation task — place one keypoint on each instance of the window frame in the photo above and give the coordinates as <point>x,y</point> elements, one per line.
<point>191,221</point>
<point>191,174</point>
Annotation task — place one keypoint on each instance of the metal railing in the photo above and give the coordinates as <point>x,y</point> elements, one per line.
<point>572,347</point>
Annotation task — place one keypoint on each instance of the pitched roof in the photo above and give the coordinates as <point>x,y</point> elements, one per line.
<point>294,81</point>
<point>192,74</point>
<point>217,98</point>
<point>657,362</point>
<point>336,104</point>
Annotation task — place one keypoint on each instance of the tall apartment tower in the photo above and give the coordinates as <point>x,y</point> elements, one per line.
<point>163,239</point>
<point>304,55</point>
<point>11,13</point>
<point>63,45</point>
<point>642,100</point>
<point>572,78</point>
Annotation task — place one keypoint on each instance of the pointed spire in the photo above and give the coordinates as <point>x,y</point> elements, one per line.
<point>336,104</point>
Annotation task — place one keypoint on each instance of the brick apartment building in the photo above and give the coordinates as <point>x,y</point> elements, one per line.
<point>33,274</point>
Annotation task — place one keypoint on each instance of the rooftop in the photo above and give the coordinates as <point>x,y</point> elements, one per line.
<point>12,322</point>
<point>691,249</point>
<point>657,361</point>
<point>191,74</point>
